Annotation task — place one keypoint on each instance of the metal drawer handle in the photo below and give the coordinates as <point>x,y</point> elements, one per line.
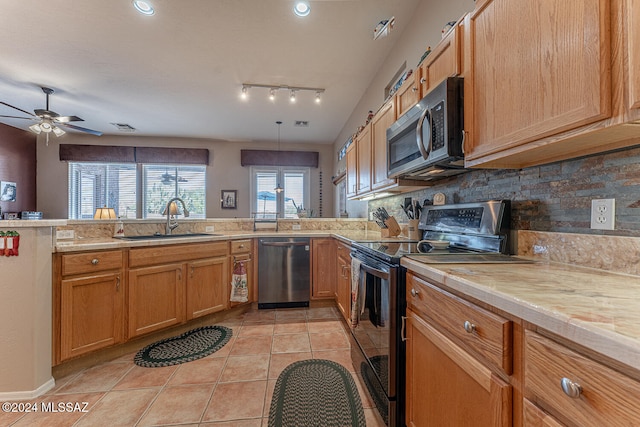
<point>469,327</point>
<point>403,335</point>
<point>414,292</point>
<point>95,261</point>
<point>571,389</point>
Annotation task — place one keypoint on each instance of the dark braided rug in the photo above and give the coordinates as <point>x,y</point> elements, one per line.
<point>192,345</point>
<point>316,393</point>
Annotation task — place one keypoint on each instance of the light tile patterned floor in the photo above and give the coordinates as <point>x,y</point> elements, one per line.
<point>232,387</point>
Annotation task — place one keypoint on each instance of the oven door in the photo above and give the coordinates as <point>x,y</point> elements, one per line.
<point>375,331</point>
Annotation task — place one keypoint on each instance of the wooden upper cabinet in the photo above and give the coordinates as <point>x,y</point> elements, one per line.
<point>633,51</point>
<point>379,125</point>
<point>444,61</point>
<point>363,145</point>
<point>536,69</point>
<point>352,170</point>
<point>409,94</point>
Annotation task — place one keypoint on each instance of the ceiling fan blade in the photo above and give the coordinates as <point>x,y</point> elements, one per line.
<point>66,119</point>
<point>16,108</point>
<point>81,129</point>
<point>16,117</point>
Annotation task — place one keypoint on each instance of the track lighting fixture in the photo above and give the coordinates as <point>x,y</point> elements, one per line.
<point>293,90</point>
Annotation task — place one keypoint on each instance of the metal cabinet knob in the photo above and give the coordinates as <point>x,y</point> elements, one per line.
<point>570,388</point>
<point>423,80</point>
<point>95,261</point>
<point>415,89</point>
<point>414,292</point>
<point>240,246</point>
<point>469,327</point>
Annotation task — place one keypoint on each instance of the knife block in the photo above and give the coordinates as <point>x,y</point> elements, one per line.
<point>392,230</point>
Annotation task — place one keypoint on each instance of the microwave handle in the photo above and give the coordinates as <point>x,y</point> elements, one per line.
<point>424,151</point>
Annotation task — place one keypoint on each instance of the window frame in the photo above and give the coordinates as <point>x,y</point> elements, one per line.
<point>280,174</point>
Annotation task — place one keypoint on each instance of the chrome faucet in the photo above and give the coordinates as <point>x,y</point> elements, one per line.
<point>172,222</point>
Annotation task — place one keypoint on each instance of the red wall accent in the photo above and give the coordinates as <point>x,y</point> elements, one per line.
<point>18,164</point>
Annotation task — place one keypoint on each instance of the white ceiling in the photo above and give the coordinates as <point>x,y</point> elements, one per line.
<point>179,72</point>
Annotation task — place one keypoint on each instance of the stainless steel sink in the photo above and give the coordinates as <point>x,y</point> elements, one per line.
<point>159,236</point>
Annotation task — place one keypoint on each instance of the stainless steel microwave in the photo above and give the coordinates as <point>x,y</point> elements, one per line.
<point>426,142</point>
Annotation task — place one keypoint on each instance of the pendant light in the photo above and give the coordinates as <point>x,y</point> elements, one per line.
<point>278,188</point>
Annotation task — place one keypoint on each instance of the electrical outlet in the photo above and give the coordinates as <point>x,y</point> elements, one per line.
<point>64,234</point>
<point>295,226</point>
<point>209,229</point>
<point>603,214</point>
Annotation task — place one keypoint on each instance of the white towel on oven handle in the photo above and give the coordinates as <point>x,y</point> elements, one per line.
<point>356,297</point>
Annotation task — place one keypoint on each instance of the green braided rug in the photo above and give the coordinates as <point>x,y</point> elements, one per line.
<point>316,393</point>
<point>192,345</point>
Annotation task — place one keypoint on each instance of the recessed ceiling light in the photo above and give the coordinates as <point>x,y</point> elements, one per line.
<point>302,8</point>
<point>143,7</point>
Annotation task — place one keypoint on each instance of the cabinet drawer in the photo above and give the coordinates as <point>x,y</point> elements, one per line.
<point>139,257</point>
<point>91,262</point>
<point>607,397</point>
<point>485,333</point>
<point>240,246</point>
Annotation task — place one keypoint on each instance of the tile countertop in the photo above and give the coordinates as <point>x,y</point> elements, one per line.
<point>90,244</point>
<point>597,309</point>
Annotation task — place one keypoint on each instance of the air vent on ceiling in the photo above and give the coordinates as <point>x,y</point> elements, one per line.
<point>302,123</point>
<point>123,127</point>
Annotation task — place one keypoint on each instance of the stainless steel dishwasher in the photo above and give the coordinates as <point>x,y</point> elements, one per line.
<point>284,276</point>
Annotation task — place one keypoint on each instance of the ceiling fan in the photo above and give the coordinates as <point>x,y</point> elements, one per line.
<point>50,121</point>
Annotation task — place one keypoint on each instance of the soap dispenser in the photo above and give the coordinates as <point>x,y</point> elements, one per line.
<point>118,229</point>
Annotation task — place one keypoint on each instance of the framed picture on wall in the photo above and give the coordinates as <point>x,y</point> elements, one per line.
<point>8,191</point>
<point>228,199</point>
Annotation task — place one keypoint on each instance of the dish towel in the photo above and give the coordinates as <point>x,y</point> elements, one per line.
<point>355,286</point>
<point>239,290</point>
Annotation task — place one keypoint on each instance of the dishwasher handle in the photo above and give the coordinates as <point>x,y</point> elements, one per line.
<point>284,244</point>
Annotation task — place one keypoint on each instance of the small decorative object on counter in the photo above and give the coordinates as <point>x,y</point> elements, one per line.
<point>118,229</point>
<point>239,290</point>
<point>9,243</point>
<point>438,199</point>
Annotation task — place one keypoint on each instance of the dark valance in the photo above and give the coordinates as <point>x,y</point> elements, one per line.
<point>279,158</point>
<point>122,154</point>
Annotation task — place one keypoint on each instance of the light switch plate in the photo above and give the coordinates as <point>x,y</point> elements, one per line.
<point>209,229</point>
<point>295,226</point>
<point>64,234</point>
<point>603,214</point>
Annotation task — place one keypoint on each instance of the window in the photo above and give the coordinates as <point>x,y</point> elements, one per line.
<point>162,183</point>
<point>94,185</point>
<point>265,200</point>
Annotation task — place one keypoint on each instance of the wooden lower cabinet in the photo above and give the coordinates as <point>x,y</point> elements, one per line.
<point>206,286</point>
<point>155,298</point>
<point>446,386</point>
<point>91,313</point>
<point>323,263</point>
<point>535,417</point>
<point>343,280</point>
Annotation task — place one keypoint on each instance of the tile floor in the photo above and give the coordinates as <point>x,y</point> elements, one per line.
<point>231,387</point>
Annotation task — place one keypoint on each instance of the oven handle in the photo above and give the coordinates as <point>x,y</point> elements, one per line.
<point>378,273</point>
<point>403,335</point>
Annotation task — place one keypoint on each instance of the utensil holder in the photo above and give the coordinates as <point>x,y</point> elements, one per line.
<point>413,232</point>
<point>392,230</point>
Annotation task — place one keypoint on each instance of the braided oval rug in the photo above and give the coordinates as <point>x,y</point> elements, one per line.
<point>316,393</point>
<point>192,345</point>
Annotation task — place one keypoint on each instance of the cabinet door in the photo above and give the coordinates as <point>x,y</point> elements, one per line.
<point>363,142</point>
<point>352,170</point>
<point>537,69</point>
<point>408,95</point>
<point>379,125</point>
<point>247,258</point>
<point>442,62</point>
<point>156,298</point>
<point>206,286</point>
<point>91,313</point>
<point>343,287</point>
<point>633,31</point>
<point>323,255</point>
<point>536,417</point>
<point>446,386</point>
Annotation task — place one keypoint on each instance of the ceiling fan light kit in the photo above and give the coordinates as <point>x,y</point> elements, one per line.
<point>293,90</point>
